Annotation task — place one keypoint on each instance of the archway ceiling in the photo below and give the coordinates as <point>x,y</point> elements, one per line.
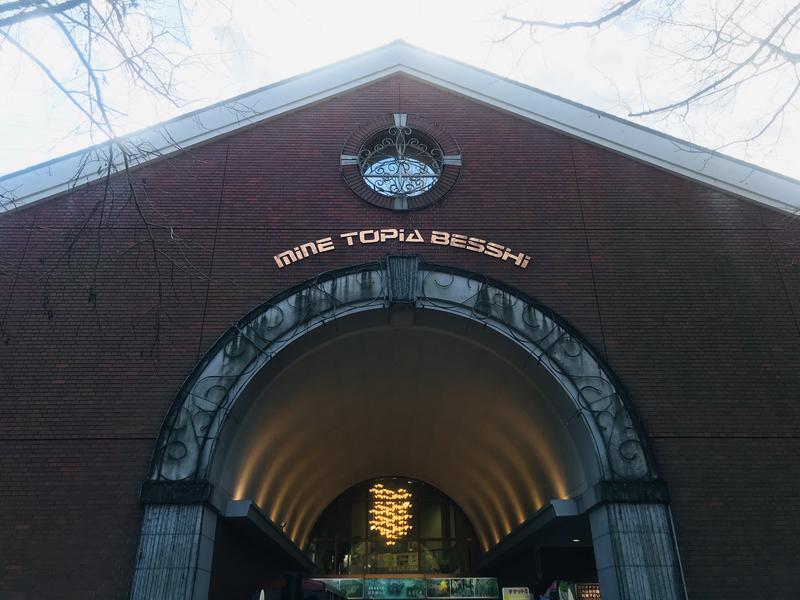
<point>414,402</point>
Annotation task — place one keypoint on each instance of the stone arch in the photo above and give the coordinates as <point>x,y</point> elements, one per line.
<point>624,475</point>
<point>187,440</point>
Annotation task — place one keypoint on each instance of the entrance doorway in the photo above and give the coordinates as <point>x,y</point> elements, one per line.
<point>403,369</point>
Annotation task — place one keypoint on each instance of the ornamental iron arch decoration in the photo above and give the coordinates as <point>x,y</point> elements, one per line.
<point>401,162</point>
<point>190,432</point>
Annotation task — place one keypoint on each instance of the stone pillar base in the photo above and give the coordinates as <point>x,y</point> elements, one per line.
<point>635,552</point>
<point>175,551</point>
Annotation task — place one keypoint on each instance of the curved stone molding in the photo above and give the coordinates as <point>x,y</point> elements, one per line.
<point>193,425</point>
<point>187,439</point>
<point>556,347</point>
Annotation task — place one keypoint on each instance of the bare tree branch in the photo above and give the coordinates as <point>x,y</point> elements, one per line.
<point>92,251</point>
<point>612,14</point>
<point>719,51</point>
<point>97,91</point>
<point>724,77</point>
<point>9,6</point>
<point>40,11</point>
<point>775,116</point>
<point>69,94</point>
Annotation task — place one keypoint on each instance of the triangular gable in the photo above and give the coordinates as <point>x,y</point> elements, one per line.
<point>660,150</point>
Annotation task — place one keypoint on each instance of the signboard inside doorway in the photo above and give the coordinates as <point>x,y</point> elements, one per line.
<point>479,588</point>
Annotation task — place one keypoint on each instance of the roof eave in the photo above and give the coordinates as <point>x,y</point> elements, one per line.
<point>665,152</point>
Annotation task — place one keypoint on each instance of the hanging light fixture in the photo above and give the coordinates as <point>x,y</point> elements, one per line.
<point>390,514</point>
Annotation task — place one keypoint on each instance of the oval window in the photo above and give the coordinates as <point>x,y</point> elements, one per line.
<point>400,162</point>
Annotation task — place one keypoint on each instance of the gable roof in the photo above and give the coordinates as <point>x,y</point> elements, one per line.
<point>646,145</point>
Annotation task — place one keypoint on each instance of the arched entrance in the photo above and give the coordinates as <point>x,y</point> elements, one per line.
<point>544,427</point>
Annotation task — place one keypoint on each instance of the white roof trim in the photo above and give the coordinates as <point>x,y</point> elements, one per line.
<point>663,151</point>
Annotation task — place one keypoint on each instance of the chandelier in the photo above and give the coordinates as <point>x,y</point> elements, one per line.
<point>390,514</point>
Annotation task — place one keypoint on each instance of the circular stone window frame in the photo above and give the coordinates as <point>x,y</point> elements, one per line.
<point>451,162</point>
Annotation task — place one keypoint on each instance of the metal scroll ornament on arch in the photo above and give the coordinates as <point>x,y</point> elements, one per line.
<point>191,430</point>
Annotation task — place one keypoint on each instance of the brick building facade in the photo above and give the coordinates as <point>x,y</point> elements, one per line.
<point>684,286</point>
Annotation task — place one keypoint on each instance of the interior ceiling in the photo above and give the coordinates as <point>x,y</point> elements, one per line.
<point>413,402</point>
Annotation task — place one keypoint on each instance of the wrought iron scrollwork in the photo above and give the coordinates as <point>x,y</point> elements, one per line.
<point>556,347</point>
<point>187,440</point>
<point>400,162</point>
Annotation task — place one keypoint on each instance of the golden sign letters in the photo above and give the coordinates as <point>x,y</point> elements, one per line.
<point>380,236</point>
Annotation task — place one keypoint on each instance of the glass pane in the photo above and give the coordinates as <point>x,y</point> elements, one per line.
<point>350,557</point>
<point>358,520</point>
<point>322,554</point>
<point>402,557</point>
<point>334,522</point>
<point>430,521</point>
<point>400,177</point>
<point>436,556</point>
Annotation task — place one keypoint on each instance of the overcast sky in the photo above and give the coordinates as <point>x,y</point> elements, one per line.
<point>246,44</point>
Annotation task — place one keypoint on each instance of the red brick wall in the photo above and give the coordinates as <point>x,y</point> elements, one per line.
<point>691,296</point>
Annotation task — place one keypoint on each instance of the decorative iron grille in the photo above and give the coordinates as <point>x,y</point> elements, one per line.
<point>400,162</point>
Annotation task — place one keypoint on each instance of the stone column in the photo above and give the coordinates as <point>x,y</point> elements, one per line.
<point>635,552</point>
<point>176,546</point>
